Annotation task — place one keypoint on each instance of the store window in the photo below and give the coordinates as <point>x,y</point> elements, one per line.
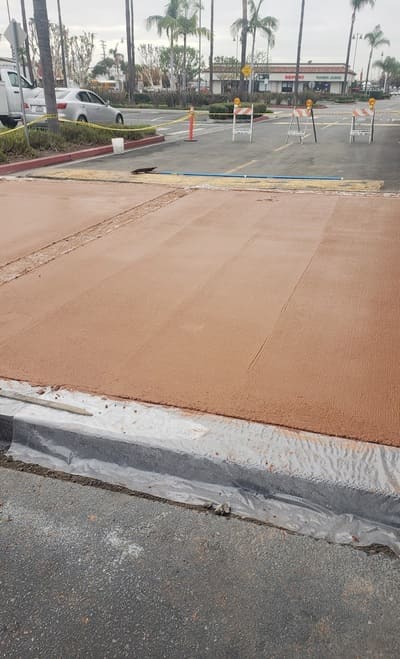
<point>287,86</point>
<point>322,86</point>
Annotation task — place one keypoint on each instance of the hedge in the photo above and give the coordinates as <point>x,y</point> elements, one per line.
<point>224,111</point>
<point>14,144</point>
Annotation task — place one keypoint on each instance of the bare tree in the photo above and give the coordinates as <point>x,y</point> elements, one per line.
<point>42,29</point>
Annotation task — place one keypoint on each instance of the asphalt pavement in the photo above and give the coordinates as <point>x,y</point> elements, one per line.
<point>270,153</point>
<point>88,572</point>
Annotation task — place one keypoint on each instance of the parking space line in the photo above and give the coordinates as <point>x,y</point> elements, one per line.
<point>236,169</point>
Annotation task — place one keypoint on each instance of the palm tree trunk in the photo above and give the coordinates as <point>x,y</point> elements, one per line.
<point>172,84</point>
<point>212,49</point>
<point>184,80</point>
<point>244,48</point>
<point>298,60</point>
<point>368,69</point>
<point>346,71</point>
<point>27,49</point>
<point>133,50</point>
<point>42,29</point>
<point>200,35</point>
<point>253,50</point>
<point>129,48</point>
<point>62,42</point>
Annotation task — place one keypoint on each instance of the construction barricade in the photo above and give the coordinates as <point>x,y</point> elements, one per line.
<point>242,126</point>
<point>363,122</point>
<point>297,126</point>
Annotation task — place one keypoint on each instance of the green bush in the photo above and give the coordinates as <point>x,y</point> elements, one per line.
<point>80,134</point>
<point>224,111</point>
<point>344,99</point>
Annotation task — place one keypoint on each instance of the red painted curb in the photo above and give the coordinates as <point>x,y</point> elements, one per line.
<point>59,158</point>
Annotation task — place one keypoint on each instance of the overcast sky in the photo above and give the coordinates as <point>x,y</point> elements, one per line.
<point>325,33</point>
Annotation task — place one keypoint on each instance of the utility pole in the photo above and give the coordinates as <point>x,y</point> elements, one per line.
<point>299,44</point>
<point>62,42</point>
<point>103,48</point>
<point>211,67</point>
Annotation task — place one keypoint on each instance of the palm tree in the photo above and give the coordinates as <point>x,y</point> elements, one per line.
<point>168,23</point>
<point>27,49</point>
<point>268,25</point>
<point>243,38</point>
<point>42,28</point>
<point>376,38</point>
<point>390,66</point>
<point>62,44</point>
<point>128,22</point>
<point>356,5</point>
<point>211,67</point>
<point>188,26</point>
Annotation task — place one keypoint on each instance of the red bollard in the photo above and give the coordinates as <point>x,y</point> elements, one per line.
<point>191,126</point>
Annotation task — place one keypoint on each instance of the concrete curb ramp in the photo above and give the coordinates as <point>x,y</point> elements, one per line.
<point>340,490</point>
<point>177,180</point>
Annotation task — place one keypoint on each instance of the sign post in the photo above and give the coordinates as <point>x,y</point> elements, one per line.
<point>17,37</point>
<point>310,108</point>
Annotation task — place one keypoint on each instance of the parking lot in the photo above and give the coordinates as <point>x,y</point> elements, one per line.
<point>270,154</point>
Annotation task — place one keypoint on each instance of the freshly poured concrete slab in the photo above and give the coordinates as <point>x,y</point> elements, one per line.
<point>280,309</point>
<point>32,215</point>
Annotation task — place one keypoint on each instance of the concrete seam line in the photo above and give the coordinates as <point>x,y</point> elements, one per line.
<point>30,262</point>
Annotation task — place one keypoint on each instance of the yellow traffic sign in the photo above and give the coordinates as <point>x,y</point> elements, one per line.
<point>237,101</point>
<point>246,70</point>
<point>372,102</point>
<point>309,103</point>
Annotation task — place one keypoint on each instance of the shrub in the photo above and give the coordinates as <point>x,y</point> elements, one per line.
<point>224,111</point>
<point>3,157</point>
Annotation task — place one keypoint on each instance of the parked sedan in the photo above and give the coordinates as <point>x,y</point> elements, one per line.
<point>75,105</point>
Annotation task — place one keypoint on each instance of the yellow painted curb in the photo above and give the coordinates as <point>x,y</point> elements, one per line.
<point>179,181</point>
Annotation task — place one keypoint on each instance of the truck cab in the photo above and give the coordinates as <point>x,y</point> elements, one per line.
<point>10,96</point>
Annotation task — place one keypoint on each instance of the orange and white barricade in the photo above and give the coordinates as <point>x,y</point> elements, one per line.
<point>297,127</point>
<point>363,123</point>
<point>243,127</point>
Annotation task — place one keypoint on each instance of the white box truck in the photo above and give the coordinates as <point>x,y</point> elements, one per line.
<point>10,97</point>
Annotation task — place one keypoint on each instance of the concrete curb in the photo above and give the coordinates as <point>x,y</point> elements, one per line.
<point>342,490</point>
<point>59,158</point>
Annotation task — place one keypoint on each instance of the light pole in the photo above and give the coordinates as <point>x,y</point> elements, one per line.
<point>357,37</point>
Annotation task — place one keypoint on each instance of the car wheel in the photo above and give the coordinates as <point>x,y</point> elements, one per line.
<point>8,122</point>
<point>119,119</point>
<point>82,119</point>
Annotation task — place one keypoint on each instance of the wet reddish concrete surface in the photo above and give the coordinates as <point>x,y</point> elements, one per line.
<point>31,217</point>
<point>277,308</point>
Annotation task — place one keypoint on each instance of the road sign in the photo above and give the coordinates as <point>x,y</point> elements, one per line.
<point>15,32</point>
<point>237,101</point>
<point>246,70</point>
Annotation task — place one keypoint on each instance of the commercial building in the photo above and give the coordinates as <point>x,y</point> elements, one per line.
<point>278,78</point>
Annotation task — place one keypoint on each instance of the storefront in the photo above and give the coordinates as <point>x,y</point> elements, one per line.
<point>280,78</point>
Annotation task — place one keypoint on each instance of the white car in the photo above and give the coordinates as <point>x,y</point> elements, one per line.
<point>76,105</point>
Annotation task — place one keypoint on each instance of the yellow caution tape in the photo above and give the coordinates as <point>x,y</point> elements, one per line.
<point>126,129</point>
